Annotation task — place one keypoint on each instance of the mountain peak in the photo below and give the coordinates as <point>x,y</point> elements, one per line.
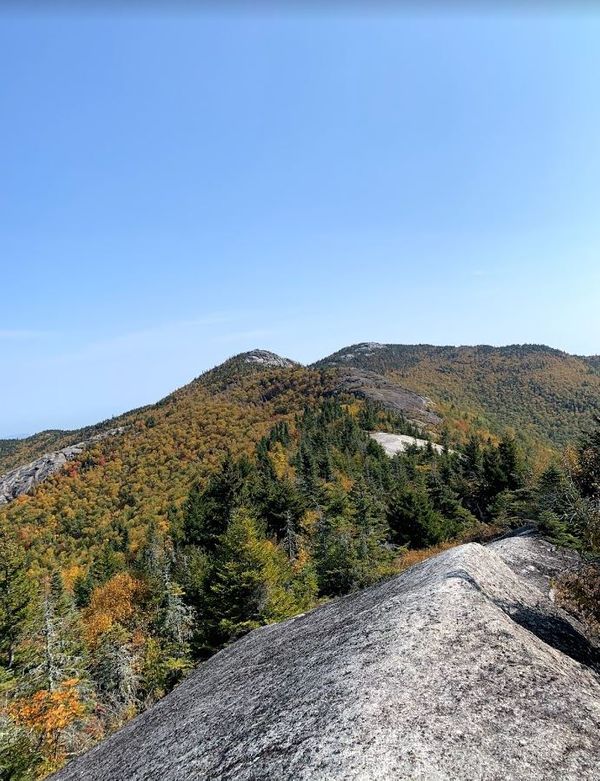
<point>244,363</point>
<point>265,358</point>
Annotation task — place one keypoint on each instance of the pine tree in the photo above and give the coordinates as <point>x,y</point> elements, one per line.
<point>447,503</point>
<point>251,581</point>
<point>472,463</point>
<point>106,564</point>
<point>16,598</point>
<point>369,521</point>
<point>280,505</point>
<point>413,520</point>
<point>336,562</point>
<point>207,511</point>
<point>511,464</point>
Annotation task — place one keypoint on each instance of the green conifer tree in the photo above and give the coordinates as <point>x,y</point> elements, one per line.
<point>16,597</point>
<point>251,581</point>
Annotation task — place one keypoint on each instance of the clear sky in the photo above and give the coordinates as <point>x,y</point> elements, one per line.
<point>178,188</point>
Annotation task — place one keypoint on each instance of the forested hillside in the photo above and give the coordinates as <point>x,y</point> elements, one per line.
<point>250,495</point>
<point>546,396</point>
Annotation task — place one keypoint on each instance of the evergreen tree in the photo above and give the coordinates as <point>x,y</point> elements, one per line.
<point>250,581</point>
<point>511,464</point>
<point>336,562</point>
<point>369,521</point>
<point>587,474</point>
<point>368,416</point>
<point>413,520</point>
<point>207,511</point>
<point>16,599</point>
<point>105,565</point>
<point>447,503</point>
<point>280,505</point>
<point>473,458</point>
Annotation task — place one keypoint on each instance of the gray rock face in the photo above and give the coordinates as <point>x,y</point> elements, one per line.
<point>399,443</point>
<point>460,668</point>
<point>266,358</point>
<point>23,479</point>
<point>370,385</point>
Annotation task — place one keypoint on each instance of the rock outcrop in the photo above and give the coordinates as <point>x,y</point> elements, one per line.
<point>369,385</point>
<point>23,479</point>
<point>398,443</point>
<point>267,358</point>
<point>460,668</point>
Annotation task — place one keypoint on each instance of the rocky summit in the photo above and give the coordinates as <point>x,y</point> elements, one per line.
<point>460,668</point>
<point>267,358</point>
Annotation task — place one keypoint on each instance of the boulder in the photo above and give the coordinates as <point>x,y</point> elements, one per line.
<point>460,668</point>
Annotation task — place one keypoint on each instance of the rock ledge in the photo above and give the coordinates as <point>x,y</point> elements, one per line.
<point>460,668</point>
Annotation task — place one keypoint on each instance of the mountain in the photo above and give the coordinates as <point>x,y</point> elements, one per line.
<point>159,452</point>
<point>17,452</point>
<point>547,396</point>
<point>258,491</point>
<point>460,668</point>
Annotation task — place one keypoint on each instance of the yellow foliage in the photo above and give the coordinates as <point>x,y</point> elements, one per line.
<point>279,460</point>
<point>70,575</point>
<point>112,603</point>
<point>345,481</point>
<point>309,521</point>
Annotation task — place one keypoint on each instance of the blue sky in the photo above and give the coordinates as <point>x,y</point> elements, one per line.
<point>178,188</point>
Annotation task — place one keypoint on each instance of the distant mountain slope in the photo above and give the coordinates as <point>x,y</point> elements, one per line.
<point>23,479</point>
<point>460,668</point>
<point>144,475</point>
<point>544,394</point>
<point>17,452</point>
<point>370,385</point>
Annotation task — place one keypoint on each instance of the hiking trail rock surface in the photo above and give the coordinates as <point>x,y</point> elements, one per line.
<point>460,668</point>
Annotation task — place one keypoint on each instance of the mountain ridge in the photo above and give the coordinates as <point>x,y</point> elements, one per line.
<point>249,495</point>
<point>546,395</point>
<point>16,451</point>
<point>553,395</point>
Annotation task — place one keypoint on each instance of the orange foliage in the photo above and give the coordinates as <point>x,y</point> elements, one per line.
<point>48,713</point>
<point>112,603</point>
<point>411,557</point>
